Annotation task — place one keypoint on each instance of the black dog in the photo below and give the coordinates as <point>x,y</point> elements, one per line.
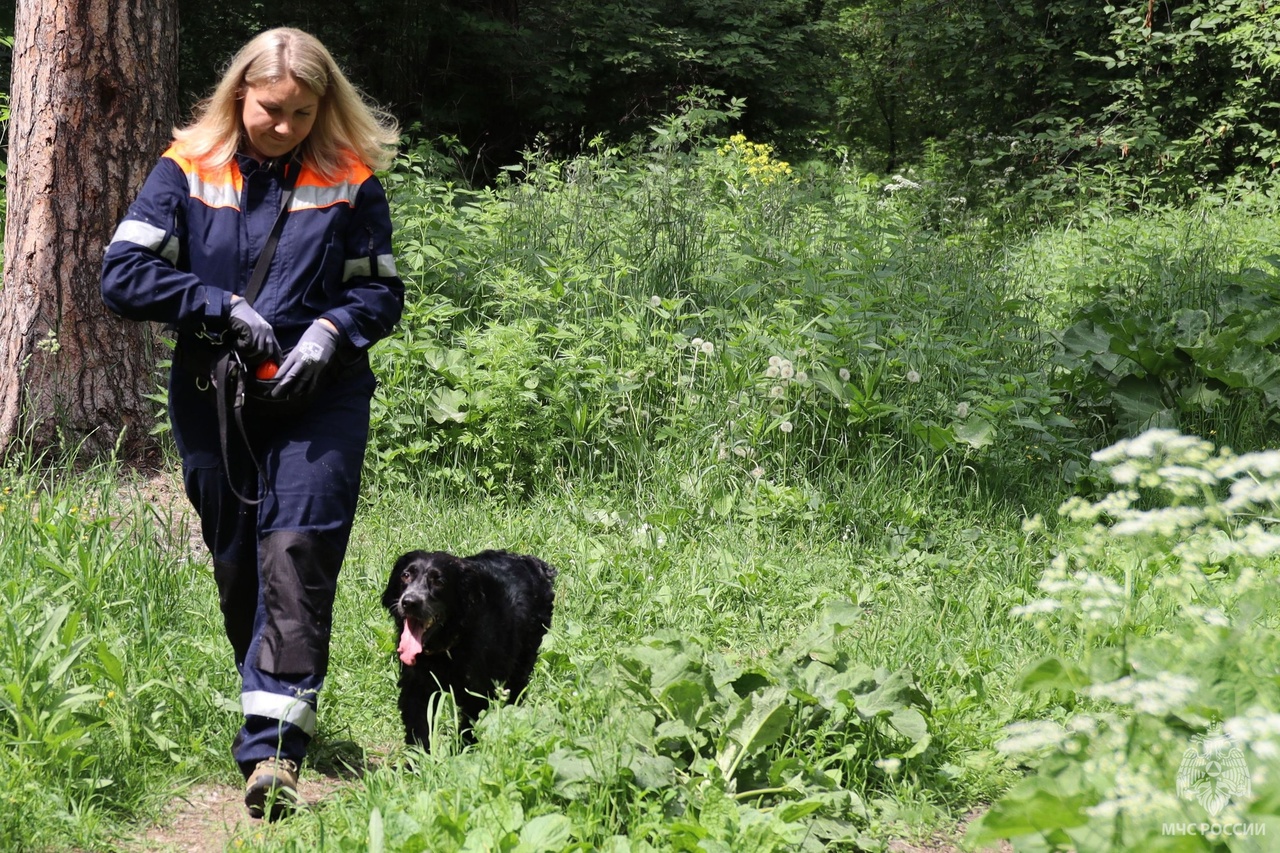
<point>470,626</point>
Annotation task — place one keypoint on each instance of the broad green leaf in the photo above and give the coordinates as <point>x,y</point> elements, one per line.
<point>572,768</point>
<point>974,431</point>
<point>447,404</point>
<point>1053,674</point>
<point>686,699</point>
<point>936,437</point>
<point>545,832</point>
<point>1035,805</point>
<point>912,725</point>
<point>652,772</point>
<point>1191,326</point>
<point>760,719</point>
<point>894,693</point>
<point>1141,406</point>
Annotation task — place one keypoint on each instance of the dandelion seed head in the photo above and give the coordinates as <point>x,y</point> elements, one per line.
<point>708,348</point>
<point>785,426</point>
<point>775,361</point>
<point>844,374</point>
<point>890,766</point>
<point>786,370</point>
<point>772,371</point>
<point>962,411</point>
<point>655,301</point>
<point>913,376</point>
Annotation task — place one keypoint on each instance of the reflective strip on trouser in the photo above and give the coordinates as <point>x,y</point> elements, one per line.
<point>296,711</point>
<point>276,565</point>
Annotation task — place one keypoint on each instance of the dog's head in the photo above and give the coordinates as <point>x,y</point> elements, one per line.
<point>425,589</point>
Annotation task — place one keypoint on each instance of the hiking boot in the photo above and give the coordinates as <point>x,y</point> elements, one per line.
<point>272,788</point>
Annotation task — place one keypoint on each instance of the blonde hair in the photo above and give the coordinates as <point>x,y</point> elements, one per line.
<point>346,125</point>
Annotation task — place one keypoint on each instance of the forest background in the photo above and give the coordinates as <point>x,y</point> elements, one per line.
<point>893,384</point>
<point>1179,94</point>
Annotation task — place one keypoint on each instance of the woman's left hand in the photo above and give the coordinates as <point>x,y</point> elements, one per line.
<point>305,362</point>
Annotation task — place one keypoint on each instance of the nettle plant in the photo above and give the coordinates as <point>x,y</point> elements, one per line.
<point>1162,729</point>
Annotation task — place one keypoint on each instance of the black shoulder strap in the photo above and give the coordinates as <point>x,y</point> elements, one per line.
<point>264,260</point>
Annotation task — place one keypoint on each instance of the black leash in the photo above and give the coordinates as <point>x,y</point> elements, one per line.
<point>229,372</point>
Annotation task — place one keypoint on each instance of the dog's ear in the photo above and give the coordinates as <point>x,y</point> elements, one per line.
<point>395,585</point>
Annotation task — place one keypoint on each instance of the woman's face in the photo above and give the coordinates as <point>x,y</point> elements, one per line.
<point>277,117</point>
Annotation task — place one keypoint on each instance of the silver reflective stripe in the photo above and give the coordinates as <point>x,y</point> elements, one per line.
<point>214,195</point>
<point>288,708</point>
<point>351,269</point>
<point>313,196</point>
<point>361,266</point>
<point>148,236</point>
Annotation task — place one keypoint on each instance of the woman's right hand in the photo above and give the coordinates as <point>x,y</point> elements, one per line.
<point>255,339</point>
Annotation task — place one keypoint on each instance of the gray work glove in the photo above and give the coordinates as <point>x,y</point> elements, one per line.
<point>305,362</point>
<point>255,341</point>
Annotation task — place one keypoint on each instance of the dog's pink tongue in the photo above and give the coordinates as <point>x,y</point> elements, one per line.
<point>410,645</point>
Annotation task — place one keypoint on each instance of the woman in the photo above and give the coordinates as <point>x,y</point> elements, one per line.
<point>276,494</point>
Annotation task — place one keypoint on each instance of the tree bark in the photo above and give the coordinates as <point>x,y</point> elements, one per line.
<point>93,104</point>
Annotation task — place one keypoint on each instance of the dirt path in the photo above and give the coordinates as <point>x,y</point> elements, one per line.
<point>207,817</point>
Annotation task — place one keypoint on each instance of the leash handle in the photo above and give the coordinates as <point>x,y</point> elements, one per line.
<point>228,380</point>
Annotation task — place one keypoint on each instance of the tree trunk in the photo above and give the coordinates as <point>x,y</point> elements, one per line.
<point>94,100</point>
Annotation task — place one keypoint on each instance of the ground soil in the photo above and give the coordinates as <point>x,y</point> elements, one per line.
<point>208,817</point>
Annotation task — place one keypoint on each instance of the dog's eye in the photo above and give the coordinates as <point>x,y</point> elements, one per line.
<point>406,576</point>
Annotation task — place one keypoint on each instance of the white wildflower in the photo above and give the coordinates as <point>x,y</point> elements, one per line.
<point>1126,473</point>
<point>1255,724</point>
<point>785,426</point>
<point>844,374</point>
<point>1134,794</point>
<point>655,301</point>
<point>1038,607</point>
<point>1263,463</point>
<point>1030,737</point>
<point>786,370</point>
<point>1155,696</point>
<point>1164,521</point>
<point>913,376</point>
<point>708,348</point>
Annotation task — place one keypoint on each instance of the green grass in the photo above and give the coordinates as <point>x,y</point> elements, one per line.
<point>931,594</point>
<point>780,438</point>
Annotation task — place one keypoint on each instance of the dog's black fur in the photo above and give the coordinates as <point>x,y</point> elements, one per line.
<point>479,620</point>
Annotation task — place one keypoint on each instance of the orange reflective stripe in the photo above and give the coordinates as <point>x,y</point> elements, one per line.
<point>216,187</point>
<point>222,186</point>
<point>313,190</point>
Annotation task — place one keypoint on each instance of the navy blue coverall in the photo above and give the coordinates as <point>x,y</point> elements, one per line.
<point>188,243</point>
